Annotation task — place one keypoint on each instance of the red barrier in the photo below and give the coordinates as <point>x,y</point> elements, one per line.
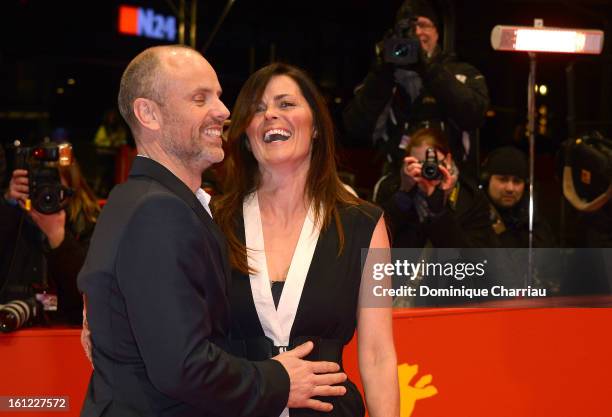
<point>484,362</point>
<point>506,363</point>
<point>44,362</point>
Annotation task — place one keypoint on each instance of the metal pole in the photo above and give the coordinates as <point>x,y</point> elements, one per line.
<point>193,23</point>
<point>228,6</point>
<point>571,127</point>
<point>531,109</point>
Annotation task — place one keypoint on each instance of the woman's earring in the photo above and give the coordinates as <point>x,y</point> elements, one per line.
<point>314,133</point>
<point>247,144</point>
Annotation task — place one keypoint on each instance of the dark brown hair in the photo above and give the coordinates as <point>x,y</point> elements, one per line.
<point>323,186</point>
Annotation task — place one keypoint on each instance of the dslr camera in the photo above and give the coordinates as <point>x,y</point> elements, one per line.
<point>429,168</point>
<point>47,194</point>
<point>402,47</point>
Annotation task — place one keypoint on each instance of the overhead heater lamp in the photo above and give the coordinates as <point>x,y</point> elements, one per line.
<point>545,39</point>
<point>541,39</point>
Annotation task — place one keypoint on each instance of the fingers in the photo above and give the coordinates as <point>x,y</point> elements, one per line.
<point>444,171</point>
<point>20,177</point>
<point>329,379</point>
<point>412,167</point>
<point>325,367</point>
<point>18,187</point>
<point>18,195</point>
<point>411,161</point>
<point>300,351</point>
<point>447,179</point>
<point>328,391</point>
<point>86,343</point>
<point>318,405</point>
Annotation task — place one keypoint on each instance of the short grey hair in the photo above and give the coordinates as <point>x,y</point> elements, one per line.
<point>142,79</point>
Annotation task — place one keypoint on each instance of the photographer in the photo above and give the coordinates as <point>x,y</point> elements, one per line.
<point>44,252</point>
<point>398,98</point>
<point>436,207</point>
<point>505,178</point>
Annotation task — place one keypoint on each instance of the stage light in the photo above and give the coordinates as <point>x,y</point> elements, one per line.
<point>543,90</point>
<point>547,39</point>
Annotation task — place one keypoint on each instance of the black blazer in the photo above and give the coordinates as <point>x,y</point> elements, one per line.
<point>156,279</point>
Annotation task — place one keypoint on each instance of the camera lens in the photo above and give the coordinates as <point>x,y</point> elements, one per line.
<point>401,50</point>
<point>16,314</point>
<point>430,172</point>
<point>47,199</point>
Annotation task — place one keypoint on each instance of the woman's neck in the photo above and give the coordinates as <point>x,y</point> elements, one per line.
<point>283,191</point>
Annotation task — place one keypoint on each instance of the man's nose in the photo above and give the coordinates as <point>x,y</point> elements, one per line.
<point>221,111</point>
<point>509,187</point>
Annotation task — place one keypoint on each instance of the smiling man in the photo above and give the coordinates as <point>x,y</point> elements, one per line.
<point>505,175</point>
<point>156,273</point>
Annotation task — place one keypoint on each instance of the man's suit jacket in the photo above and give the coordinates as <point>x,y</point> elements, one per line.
<point>156,279</point>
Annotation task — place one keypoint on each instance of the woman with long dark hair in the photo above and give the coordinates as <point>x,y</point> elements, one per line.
<point>295,235</point>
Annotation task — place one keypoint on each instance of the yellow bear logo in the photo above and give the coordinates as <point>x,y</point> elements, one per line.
<point>409,394</point>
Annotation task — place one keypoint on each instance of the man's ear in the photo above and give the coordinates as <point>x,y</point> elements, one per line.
<point>148,113</point>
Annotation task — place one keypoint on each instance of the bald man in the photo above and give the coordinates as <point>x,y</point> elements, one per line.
<point>156,273</point>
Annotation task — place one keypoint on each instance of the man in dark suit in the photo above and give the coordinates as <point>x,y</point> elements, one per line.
<point>156,273</point>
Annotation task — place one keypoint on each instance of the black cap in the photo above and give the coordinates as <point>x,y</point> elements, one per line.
<point>418,8</point>
<point>507,161</point>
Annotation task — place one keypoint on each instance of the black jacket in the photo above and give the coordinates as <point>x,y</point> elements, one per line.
<point>462,222</point>
<point>156,279</point>
<point>512,227</point>
<point>454,96</point>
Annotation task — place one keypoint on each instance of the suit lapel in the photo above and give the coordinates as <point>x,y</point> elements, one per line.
<point>149,168</point>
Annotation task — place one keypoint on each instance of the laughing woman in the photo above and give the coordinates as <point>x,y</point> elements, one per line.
<point>295,236</point>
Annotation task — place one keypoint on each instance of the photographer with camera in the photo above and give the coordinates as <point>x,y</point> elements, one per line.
<point>47,216</point>
<point>434,204</point>
<point>414,84</point>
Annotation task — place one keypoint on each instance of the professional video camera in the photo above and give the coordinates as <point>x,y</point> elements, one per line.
<point>47,194</point>
<point>402,47</point>
<point>429,168</point>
